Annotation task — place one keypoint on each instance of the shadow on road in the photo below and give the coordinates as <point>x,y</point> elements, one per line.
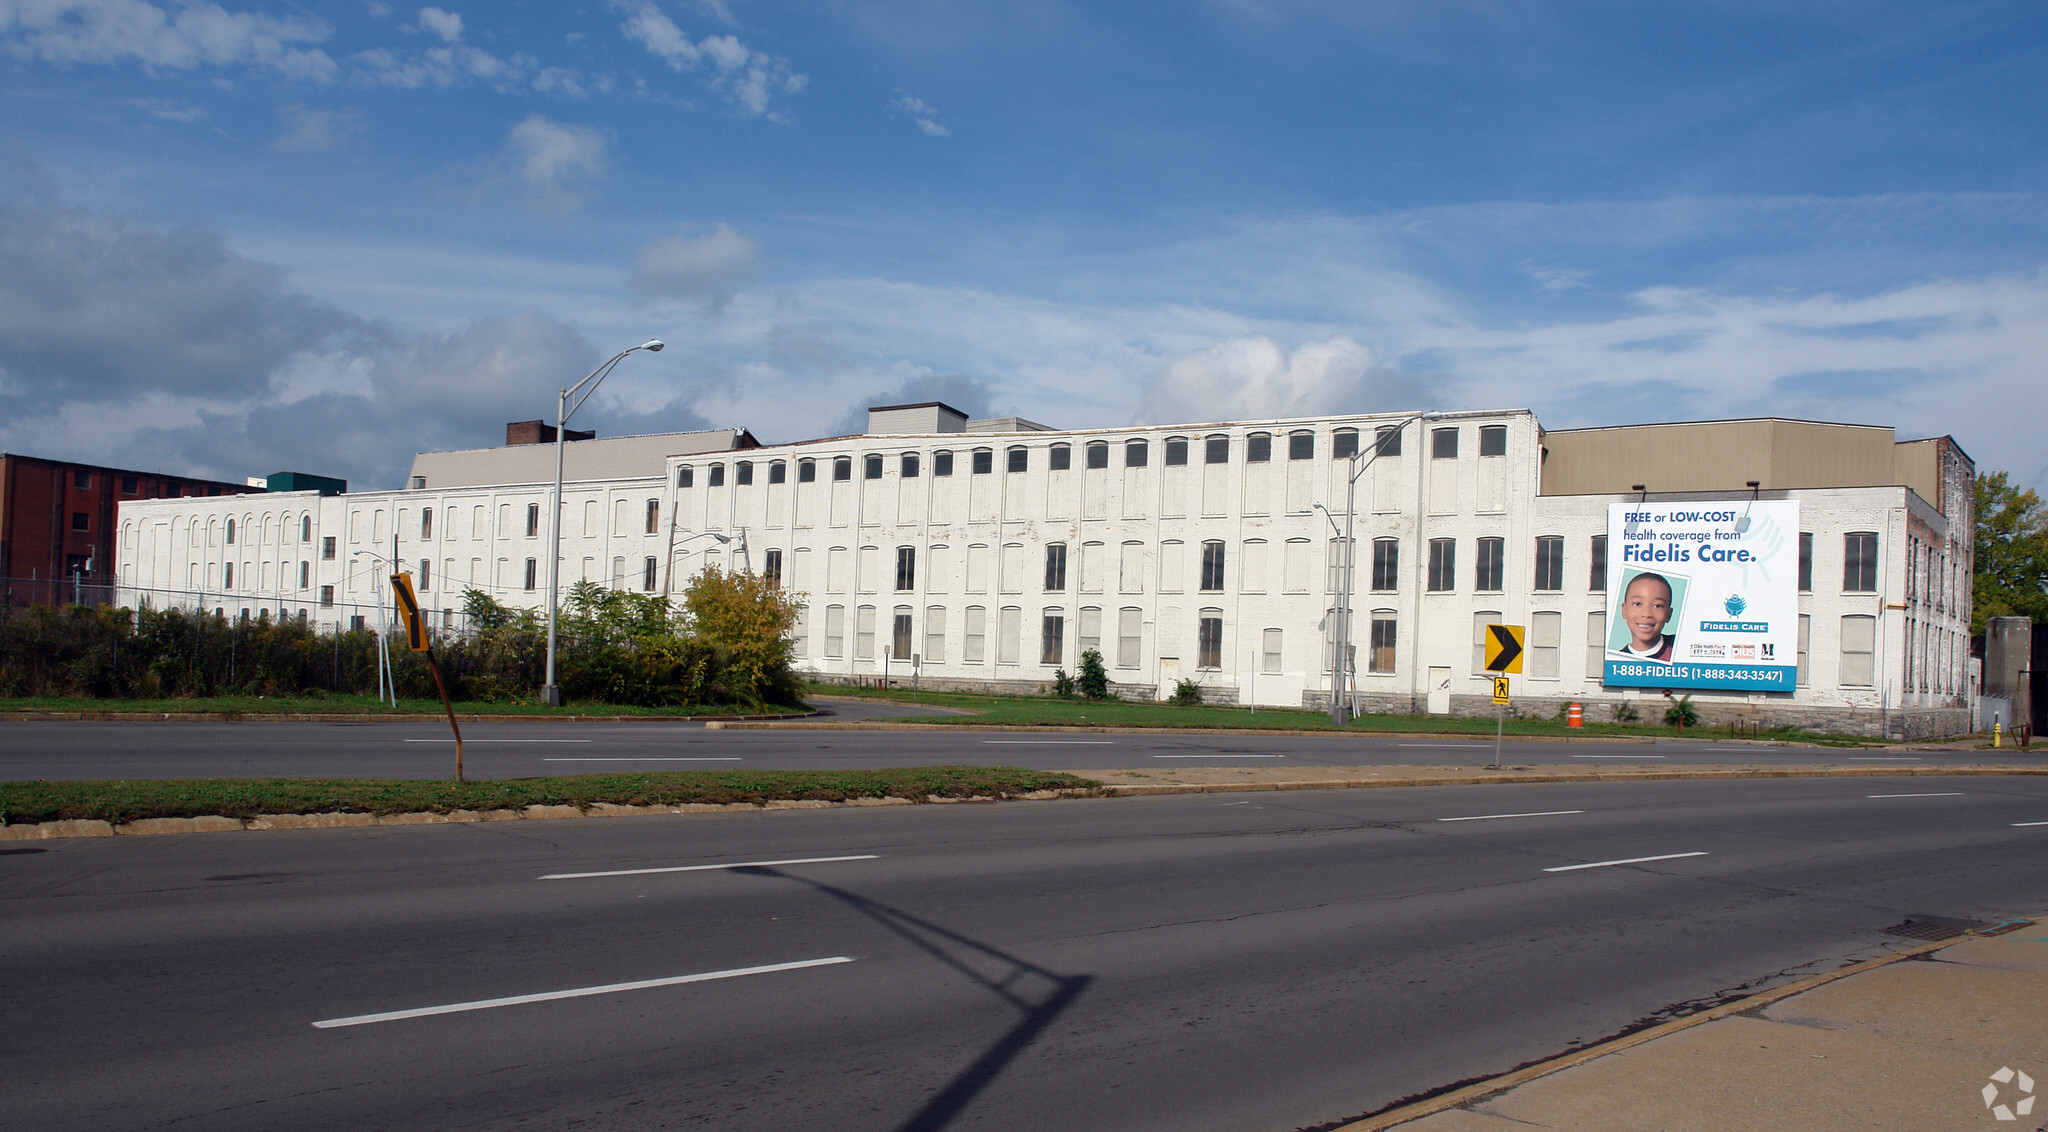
<point>1004,975</point>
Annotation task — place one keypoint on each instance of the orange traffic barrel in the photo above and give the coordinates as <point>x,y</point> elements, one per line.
<point>1575,717</point>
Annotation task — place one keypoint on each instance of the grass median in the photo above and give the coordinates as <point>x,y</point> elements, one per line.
<point>1047,711</point>
<point>23,803</point>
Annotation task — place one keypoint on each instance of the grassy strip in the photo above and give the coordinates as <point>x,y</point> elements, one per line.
<point>365,705</point>
<point>1050,712</point>
<point>28,802</point>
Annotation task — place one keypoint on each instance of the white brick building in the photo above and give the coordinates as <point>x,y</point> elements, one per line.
<point>992,553</point>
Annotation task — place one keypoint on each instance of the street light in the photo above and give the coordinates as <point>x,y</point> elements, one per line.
<point>549,694</point>
<point>1340,706</point>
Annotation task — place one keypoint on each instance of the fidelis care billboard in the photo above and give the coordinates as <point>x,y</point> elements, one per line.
<point>1703,595</point>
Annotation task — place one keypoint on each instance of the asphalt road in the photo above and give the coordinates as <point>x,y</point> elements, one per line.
<point>424,749</point>
<point>1248,963</point>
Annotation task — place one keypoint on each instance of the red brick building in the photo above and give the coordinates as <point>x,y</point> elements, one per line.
<point>57,517</point>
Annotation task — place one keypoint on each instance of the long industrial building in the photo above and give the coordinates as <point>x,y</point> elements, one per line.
<point>992,553</point>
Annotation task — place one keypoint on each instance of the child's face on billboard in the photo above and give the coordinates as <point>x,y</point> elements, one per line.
<point>1645,609</point>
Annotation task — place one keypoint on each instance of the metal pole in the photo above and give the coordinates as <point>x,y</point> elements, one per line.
<point>1499,722</point>
<point>549,694</point>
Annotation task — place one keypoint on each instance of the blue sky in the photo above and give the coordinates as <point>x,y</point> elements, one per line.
<point>240,237</point>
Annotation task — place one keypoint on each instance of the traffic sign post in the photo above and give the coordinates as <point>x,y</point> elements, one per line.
<point>417,640</point>
<point>1503,654</point>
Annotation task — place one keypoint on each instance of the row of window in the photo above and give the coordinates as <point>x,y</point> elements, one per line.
<point>1052,636</point>
<point>1258,449</point>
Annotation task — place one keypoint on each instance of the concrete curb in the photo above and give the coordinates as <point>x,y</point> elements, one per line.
<point>1495,778</point>
<point>45,831</point>
<point>1106,729</point>
<point>1481,1090</point>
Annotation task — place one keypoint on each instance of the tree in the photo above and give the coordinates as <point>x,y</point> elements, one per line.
<point>2012,553</point>
<point>749,618</point>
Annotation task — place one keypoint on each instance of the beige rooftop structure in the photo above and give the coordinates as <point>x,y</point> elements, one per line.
<point>1726,455</point>
<point>620,457</point>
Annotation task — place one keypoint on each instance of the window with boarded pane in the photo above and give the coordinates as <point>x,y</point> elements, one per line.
<point>1443,565</point>
<point>1052,638</point>
<point>1059,458</point>
<point>899,636</point>
<point>1596,581</point>
<point>1130,628</point>
<point>1019,458</point>
<point>908,466</point>
<point>743,473</point>
<point>1550,562</point>
<point>1806,562</point>
<point>872,468</point>
<point>1443,444</point>
<point>1491,568</point>
<point>906,568</point>
<point>1379,656</point>
<point>1386,564</point>
<point>1176,451</point>
<point>1055,567</point>
<point>715,476</point>
<point>942,463</point>
<point>1209,640</point>
<point>842,469</point>
<point>1493,440</point>
<point>1301,445</point>
<point>686,477</point>
<point>1098,454</point>
<point>1216,450</point>
<point>1212,566</point>
<point>1387,440</point>
<point>1136,453</point>
<point>778,472</point>
<point>1859,562</point>
<point>807,471</point>
<point>1859,645</point>
<point>1258,449</point>
<point>984,461</point>
<point>1344,444</point>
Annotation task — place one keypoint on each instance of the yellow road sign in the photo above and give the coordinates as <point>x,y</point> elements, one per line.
<point>1503,648</point>
<point>1500,689</point>
<point>409,611</point>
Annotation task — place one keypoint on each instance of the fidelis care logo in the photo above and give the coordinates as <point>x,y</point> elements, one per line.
<point>1735,605</point>
<point>2009,1094</point>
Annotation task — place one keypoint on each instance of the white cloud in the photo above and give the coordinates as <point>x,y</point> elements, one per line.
<point>749,79</point>
<point>706,267</point>
<point>184,38</point>
<point>447,25</point>
<point>923,113</point>
<point>307,130</point>
<point>1253,376</point>
<point>169,111</point>
<point>557,164</point>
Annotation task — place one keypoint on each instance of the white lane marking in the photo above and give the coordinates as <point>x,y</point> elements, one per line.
<point>1624,861</point>
<point>2024,823</point>
<point>468,741</point>
<point>709,868</point>
<point>1943,794</point>
<point>644,759</point>
<point>1727,748</point>
<point>1052,742</point>
<point>579,992</point>
<point>1219,756</point>
<point>1621,756</point>
<point>1537,814</point>
<point>1481,746</point>
<point>1884,758</point>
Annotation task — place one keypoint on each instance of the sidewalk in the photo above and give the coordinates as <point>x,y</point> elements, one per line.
<point>1909,1042</point>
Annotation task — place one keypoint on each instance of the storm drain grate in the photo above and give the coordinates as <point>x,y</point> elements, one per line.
<point>1934,928</point>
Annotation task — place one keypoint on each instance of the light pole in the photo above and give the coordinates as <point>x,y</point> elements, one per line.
<point>1340,664</point>
<point>549,694</point>
<point>385,673</point>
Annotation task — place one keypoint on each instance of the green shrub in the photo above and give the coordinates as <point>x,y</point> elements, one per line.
<point>1093,681</point>
<point>1625,712</point>
<point>1062,684</point>
<point>1187,693</point>
<point>1681,713</point>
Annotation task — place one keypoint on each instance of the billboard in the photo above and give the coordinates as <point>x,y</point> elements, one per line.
<point>1703,595</point>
